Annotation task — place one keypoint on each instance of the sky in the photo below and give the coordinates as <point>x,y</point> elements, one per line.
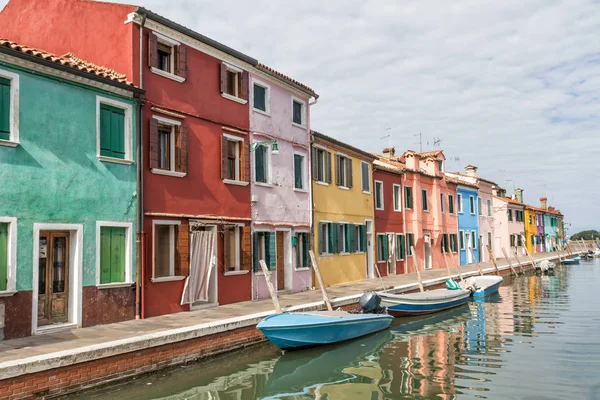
<point>512,87</point>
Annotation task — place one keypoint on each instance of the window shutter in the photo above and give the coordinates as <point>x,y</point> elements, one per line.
<point>105,131</point>
<point>402,247</point>
<point>306,249</point>
<point>259,164</point>
<point>244,161</point>
<point>223,78</point>
<point>225,249</point>
<point>272,245</point>
<point>181,62</point>
<point>333,238</point>
<point>245,84</point>
<point>3,256</point>
<point>328,166</point>
<point>182,240</point>
<point>181,148</point>
<point>224,161</point>
<point>152,50</point>
<point>352,234</point>
<point>385,244</point>
<point>153,126</point>
<point>105,259</point>
<point>337,170</point>
<point>322,239</point>
<point>298,172</point>
<point>340,238</point>
<point>246,248</point>
<point>349,173</point>
<point>118,133</point>
<point>117,255</point>
<point>313,163</point>
<point>255,251</point>
<point>4,109</point>
<point>363,238</point>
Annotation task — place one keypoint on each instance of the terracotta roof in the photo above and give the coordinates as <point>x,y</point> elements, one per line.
<point>335,141</point>
<point>385,164</point>
<point>460,181</point>
<point>449,179</point>
<point>69,60</point>
<point>509,200</point>
<point>287,78</point>
<point>426,154</point>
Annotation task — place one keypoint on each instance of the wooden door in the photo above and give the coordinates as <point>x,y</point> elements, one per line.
<point>53,282</point>
<point>280,262</point>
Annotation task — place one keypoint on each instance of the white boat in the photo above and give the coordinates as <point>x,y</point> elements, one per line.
<point>545,266</point>
<point>483,286</point>
<point>402,305</point>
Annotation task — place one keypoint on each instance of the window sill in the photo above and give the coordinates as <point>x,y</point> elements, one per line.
<point>344,254</point>
<point>167,75</point>
<point>7,293</point>
<point>426,211</point>
<point>265,113</point>
<point>234,273</point>
<point>263,184</point>
<point>300,190</point>
<point>322,183</point>
<point>235,182</point>
<point>344,187</point>
<point>167,279</point>
<point>379,209</point>
<point>234,98</point>
<point>366,192</point>
<point>359,252</point>
<point>103,286</point>
<point>8,143</point>
<point>298,125</point>
<point>168,173</point>
<point>398,211</point>
<point>115,160</point>
<point>302,269</point>
<point>326,255</point>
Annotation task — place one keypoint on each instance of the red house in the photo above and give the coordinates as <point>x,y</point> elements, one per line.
<point>195,153</point>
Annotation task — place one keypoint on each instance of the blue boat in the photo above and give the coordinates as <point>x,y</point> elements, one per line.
<point>402,305</point>
<point>484,285</point>
<point>569,261</point>
<point>314,328</point>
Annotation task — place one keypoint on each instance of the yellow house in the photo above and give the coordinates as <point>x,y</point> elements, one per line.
<point>530,228</point>
<point>343,210</point>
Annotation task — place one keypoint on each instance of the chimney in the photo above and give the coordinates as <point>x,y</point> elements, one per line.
<point>389,152</point>
<point>499,191</point>
<point>471,170</point>
<point>519,195</point>
<point>544,202</point>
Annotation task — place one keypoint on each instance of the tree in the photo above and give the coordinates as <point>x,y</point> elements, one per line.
<point>586,235</point>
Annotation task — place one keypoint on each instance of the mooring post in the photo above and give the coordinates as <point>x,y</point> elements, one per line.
<point>446,262</point>
<point>456,266</point>
<point>476,262</point>
<point>412,253</point>
<point>509,263</point>
<point>272,291</point>
<point>517,258</point>
<point>315,266</point>
<point>528,253</point>
<point>493,259</point>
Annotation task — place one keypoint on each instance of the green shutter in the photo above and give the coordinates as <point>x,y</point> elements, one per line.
<point>322,239</point>
<point>259,164</point>
<point>105,259</point>
<point>402,247</point>
<point>352,238</point>
<point>333,238</point>
<point>255,251</point>
<point>4,109</point>
<point>272,246</point>
<point>3,256</point>
<point>306,249</point>
<point>386,250</point>
<point>363,238</point>
<point>117,255</point>
<point>297,245</point>
<point>298,172</point>
<point>117,133</point>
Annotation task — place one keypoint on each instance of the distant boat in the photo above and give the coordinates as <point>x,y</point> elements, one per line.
<point>545,266</point>
<point>314,328</point>
<point>574,260</point>
<point>484,285</point>
<point>597,253</point>
<point>401,305</point>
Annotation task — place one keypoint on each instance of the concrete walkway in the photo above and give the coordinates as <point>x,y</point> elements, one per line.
<point>43,352</point>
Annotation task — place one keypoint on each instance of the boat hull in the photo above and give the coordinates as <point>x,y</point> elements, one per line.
<point>570,261</point>
<point>299,330</point>
<point>487,285</point>
<point>412,304</point>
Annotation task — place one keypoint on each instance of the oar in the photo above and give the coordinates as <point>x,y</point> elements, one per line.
<point>272,291</point>
<point>509,263</point>
<point>412,252</point>
<point>456,266</point>
<point>315,266</point>
<point>476,262</point>
<point>493,259</point>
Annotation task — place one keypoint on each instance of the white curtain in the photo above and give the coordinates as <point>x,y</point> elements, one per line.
<point>202,262</point>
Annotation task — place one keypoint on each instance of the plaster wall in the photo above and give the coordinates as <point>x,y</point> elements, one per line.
<point>486,218</point>
<point>468,222</point>
<point>389,220</point>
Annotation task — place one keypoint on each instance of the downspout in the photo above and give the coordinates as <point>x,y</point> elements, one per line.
<point>141,237</point>
<point>403,178</point>
<point>311,201</point>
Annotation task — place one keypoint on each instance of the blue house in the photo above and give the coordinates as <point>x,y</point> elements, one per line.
<point>468,222</point>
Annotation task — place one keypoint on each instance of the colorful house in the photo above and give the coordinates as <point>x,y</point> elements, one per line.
<point>281,203</point>
<point>509,216</point>
<point>468,221</point>
<point>540,230</point>
<point>68,215</point>
<point>530,229</point>
<point>343,230</point>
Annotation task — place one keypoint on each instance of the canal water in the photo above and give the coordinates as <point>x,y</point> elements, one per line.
<point>538,338</point>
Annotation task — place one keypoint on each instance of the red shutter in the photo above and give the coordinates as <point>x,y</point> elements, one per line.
<point>182,148</point>
<point>245,162</point>
<point>153,50</point>
<point>224,161</point>
<point>225,248</point>
<point>246,249</point>
<point>223,78</point>
<point>153,124</point>
<point>245,86</point>
<point>181,65</point>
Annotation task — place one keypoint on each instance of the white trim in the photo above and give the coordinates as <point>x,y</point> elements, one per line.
<point>128,251</point>
<point>461,235</point>
<point>337,153</point>
<point>376,193</point>
<point>167,121</point>
<point>453,212</point>
<point>238,173</point>
<point>394,186</point>
<point>166,74</point>
<point>233,68</point>
<point>115,160</point>
<point>166,40</point>
<point>322,183</point>
<point>75,270</point>
<point>368,177</point>
<point>167,279</point>
<point>303,112</point>
<point>442,203</point>
<point>238,244</point>
<point>168,173</point>
<point>13,140</point>
<point>320,146</point>
<point>267,88</point>
<point>474,212</point>
<point>235,182</point>
<point>103,286</point>
<point>398,249</point>
<point>427,202</point>
<point>343,187</point>
<point>304,168</point>
<point>234,98</point>
<point>233,137</point>
<point>268,161</point>
<point>128,131</point>
<point>459,203</point>
<point>412,193</point>
<point>172,277</point>
<point>232,273</point>
<point>11,255</point>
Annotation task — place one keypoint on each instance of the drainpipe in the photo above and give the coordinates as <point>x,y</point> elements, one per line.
<point>141,239</point>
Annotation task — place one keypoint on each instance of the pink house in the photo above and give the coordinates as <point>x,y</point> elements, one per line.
<point>509,226</point>
<point>280,181</point>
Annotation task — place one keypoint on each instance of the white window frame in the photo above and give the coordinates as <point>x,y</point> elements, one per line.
<point>172,276</point>
<point>269,174</point>
<point>167,41</point>
<point>377,193</point>
<point>412,195</point>
<point>442,204</point>
<point>303,113</point>
<point>474,211</point>
<point>304,172</point>
<point>459,203</point>
<point>171,171</point>
<point>344,171</point>
<point>236,70</point>
<point>11,268</point>
<point>358,237</point>
<point>462,245</point>
<point>299,251</point>
<point>345,226</point>
<point>362,182</point>
<point>267,88</point>
<point>489,207</point>
<point>128,246</point>
<point>13,140</point>
<point>474,240</point>
<point>407,244</point>
<point>323,150</point>
<point>399,197</point>
<point>327,250</point>
<point>480,206</point>
<point>385,236</point>
<point>427,199</point>
<point>398,248</point>
<point>238,172</point>
<point>450,195</point>
<point>238,241</point>
<point>128,130</point>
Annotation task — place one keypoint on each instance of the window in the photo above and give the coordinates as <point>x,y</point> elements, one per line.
<point>361,238</point>
<point>168,147</point>
<point>302,248</point>
<point>532,240</point>
<point>344,233</point>
<point>519,217</point>
<point>425,202</point>
<point>510,215</point>
<point>8,256</point>
<point>440,164</point>
<point>264,247</point>
<point>512,240</point>
<point>298,112</point>
<point>451,204</point>
<point>112,254</point>
<point>321,165</point>
<point>233,153</point>
<point>167,57</point>
<point>461,237</point>
<point>442,201</point>
<point>453,242</point>
<point>343,171</point>
<point>472,204</point>
<point>299,174</point>
<point>3,256</point>
<point>262,161</point>
<point>459,203</point>
<point>9,106</point>
<point>114,130</point>
<point>445,243</point>
<point>400,247</point>
<point>232,245</point>
<point>530,220</point>
<point>325,238</point>
<point>473,240</point>
<point>479,206</point>
<point>261,97</point>
<point>366,181</point>
<point>166,236</point>
<point>519,240</point>
<point>397,199</point>
<point>382,248</point>
<point>408,200</point>
<point>489,240</point>
<point>489,207</point>
<point>379,195</point>
<point>410,239</point>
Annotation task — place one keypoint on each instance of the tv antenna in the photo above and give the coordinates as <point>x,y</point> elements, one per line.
<point>388,136</point>
<point>437,142</point>
<point>420,142</point>
<point>455,159</point>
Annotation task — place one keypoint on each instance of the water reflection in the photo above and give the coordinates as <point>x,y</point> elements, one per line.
<point>527,341</point>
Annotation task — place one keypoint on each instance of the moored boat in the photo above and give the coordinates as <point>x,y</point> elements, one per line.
<point>574,260</point>
<point>314,328</point>
<point>401,305</point>
<point>484,285</point>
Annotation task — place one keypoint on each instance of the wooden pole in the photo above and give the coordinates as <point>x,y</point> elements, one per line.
<point>272,291</point>
<point>379,275</point>
<point>476,261</point>
<point>517,258</point>
<point>509,263</point>
<point>447,266</point>
<point>528,253</point>
<point>412,252</point>
<point>456,266</point>
<point>313,261</point>
<point>493,259</point>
